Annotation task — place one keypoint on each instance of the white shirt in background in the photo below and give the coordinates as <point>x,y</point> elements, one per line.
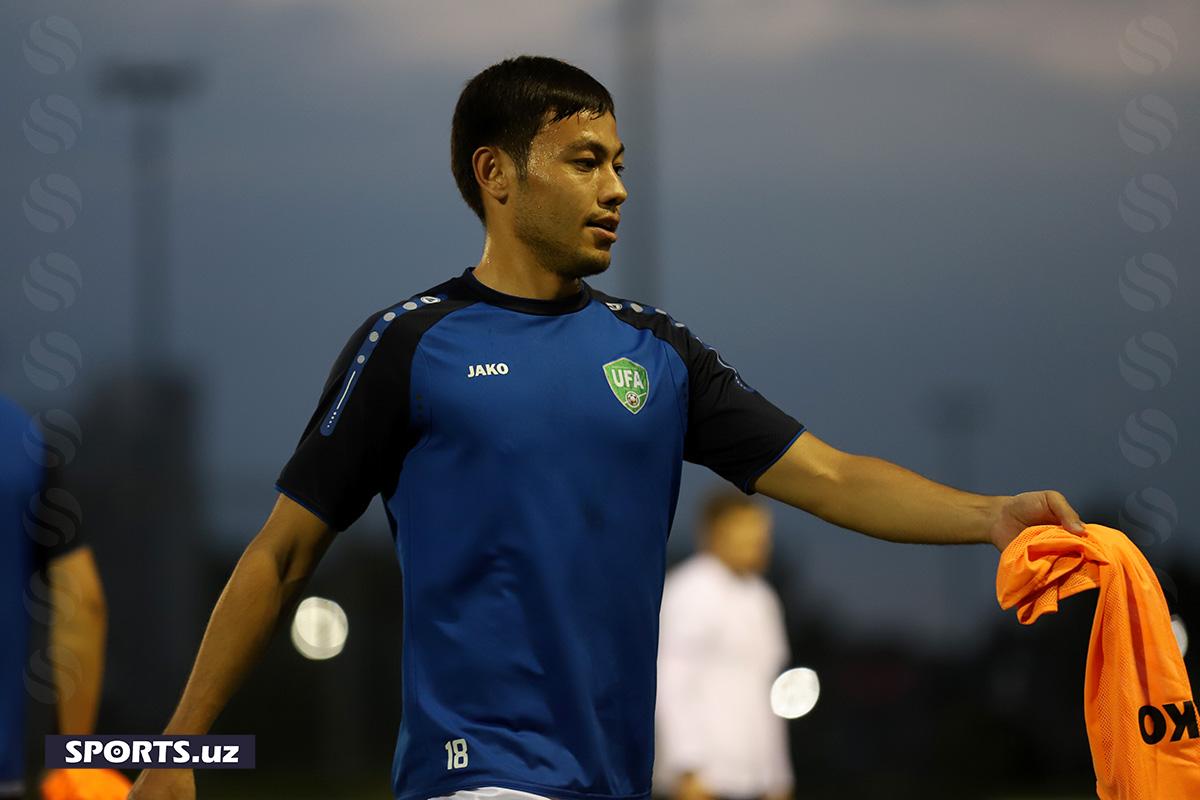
<point>722,643</point>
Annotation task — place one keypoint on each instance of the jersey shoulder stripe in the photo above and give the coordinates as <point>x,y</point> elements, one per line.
<point>666,327</point>
<point>421,312</point>
<point>354,441</point>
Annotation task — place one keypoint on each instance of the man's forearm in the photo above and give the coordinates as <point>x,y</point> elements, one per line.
<point>78,626</point>
<point>238,631</point>
<point>77,644</point>
<point>887,501</point>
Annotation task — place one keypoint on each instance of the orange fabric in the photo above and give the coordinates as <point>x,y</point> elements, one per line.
<point>1137,701</point>
<point>85,784</point>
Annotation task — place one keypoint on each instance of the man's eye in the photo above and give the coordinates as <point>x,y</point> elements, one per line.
<point>590,163</point>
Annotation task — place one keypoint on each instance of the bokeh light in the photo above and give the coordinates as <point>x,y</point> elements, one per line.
<point>795,692</point>
<point>319,628</point>
<point>1180,631</point>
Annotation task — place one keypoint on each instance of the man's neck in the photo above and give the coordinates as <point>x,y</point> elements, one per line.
<point>519,274</point>
<point>717,556</point>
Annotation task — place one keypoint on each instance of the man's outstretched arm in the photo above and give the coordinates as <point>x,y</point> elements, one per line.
<point>883,500</point>
<point>266,581</point>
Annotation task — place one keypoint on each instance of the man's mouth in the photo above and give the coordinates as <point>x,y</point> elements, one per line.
<point>606,226</point>
<point>603,233</point>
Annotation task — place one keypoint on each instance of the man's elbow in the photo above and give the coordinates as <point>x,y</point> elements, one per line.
<point>92,600</point>
<point>808,475</point>
<point>76,587</point>
<point>94,605</point>
<point>291,543</point>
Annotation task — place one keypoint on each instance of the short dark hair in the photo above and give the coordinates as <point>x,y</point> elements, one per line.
<point>719,503</point>
<point>506,105</point>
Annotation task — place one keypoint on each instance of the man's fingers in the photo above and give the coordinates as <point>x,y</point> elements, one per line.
<point>1066,515</point>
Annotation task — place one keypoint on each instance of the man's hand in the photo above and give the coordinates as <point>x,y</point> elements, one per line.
<point>690,788</point>
<point>164,784</point>
<point>1018,512</point>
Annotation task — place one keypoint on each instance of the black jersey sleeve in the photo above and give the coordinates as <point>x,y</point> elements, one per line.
<point>732,429</point>
<point>355,440</point>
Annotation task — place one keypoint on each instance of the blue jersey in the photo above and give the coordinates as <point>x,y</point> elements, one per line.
<point>528,453</point>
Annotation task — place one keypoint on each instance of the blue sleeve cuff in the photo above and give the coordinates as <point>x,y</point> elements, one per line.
<point>309,507</point>
<point>750,480</point>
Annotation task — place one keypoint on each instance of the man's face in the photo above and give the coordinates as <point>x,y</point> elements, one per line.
<point>741,537</point>
<point>572,180</point>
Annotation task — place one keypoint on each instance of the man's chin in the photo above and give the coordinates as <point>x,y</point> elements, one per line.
<point>585,268</point>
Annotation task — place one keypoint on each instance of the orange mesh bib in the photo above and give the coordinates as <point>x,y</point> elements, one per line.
<point>1137,702</point>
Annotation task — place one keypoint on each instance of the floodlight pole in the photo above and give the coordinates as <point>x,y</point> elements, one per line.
<point>151,88</point>
<point>637,114</point>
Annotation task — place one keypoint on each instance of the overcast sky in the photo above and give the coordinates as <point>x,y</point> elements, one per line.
<point>867,206</point>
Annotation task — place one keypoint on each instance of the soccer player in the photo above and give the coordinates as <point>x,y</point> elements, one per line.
<point>526,433</point>
<point>30,547</point>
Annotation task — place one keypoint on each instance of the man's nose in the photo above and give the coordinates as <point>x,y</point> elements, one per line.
<point>613,192</point>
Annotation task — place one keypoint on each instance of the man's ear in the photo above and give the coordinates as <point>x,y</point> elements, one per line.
<point>493,170</point>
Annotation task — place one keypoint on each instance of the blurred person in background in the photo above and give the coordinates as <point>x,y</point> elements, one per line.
<point>722,643</point>
<point>36,552</point>
<point>527,434</point>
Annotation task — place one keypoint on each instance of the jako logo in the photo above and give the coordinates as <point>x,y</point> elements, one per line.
<point>1149,717</point>
<point>477,370</point>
